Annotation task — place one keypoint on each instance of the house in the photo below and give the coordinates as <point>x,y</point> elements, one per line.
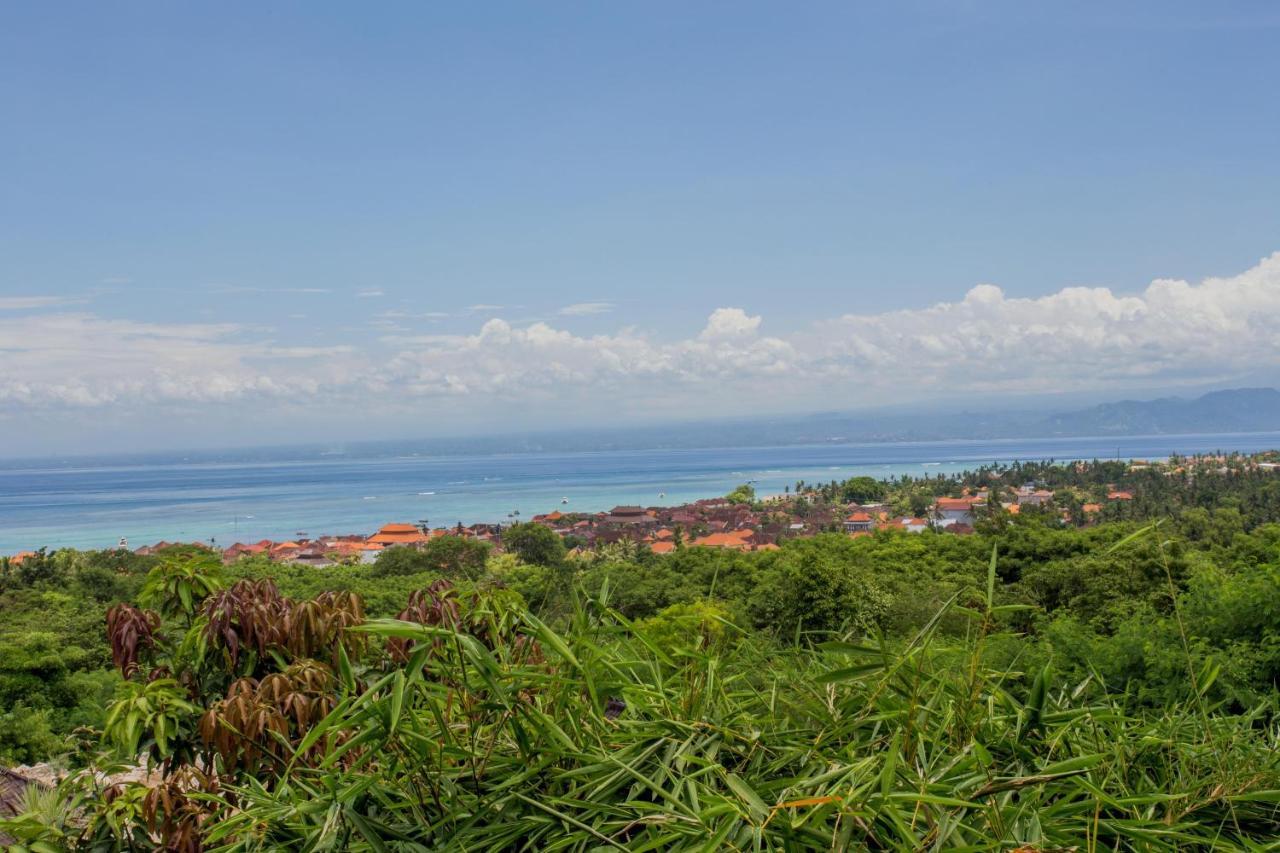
<point>398,534</point>
<point>736,540</point>
<point>627,515</point>
<point>915,525</point>
<point>949,511</point>
<point>859,522</point>
<point>662,546</point>
<point>1033,497</point>
<point>1115,495</point>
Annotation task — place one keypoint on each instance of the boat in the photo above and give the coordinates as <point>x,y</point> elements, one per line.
<point>564,500</point>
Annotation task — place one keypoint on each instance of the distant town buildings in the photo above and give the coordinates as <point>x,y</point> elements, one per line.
<point>757,526</point>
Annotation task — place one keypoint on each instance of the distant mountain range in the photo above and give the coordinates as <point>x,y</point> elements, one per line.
<point>1239,410</point>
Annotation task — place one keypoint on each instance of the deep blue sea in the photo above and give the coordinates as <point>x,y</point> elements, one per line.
<point>93,503</point>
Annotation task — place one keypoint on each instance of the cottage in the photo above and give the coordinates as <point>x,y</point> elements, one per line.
<point>859,522</point>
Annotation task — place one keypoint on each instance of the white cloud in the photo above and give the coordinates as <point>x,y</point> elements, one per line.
<point>1075,339</point>
<point>1078,337</point>
<point>370,294</point>
<point>729,323</point>
<point>483,308</point>
<point>582,309</point>
<point>83,360</point>
<point>21,303</point>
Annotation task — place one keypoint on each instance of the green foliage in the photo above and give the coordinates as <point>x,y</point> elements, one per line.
<point>149,715</point>
<point>454,557</point>
<point>534,543</point>
<point>27,735</point>
<point>495,731</point>
<point>743,494</point>
<point>689,628</point>
<point>1109,686</point>
<point>862,490</point>
<point>181,580</point>
<point>815,586</point>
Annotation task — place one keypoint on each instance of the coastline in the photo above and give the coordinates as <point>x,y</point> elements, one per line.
<point>92,507</point>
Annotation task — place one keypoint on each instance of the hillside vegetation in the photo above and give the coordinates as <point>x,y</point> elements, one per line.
<point>1031,687</point>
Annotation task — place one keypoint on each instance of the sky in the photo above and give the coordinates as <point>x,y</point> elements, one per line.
<point>246,223</point>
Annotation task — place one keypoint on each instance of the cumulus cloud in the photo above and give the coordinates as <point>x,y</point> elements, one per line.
<point>1077,338</point>
<point>728,323</point>
<point>582,309</point>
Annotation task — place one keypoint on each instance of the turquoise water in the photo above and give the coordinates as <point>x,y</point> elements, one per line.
<point>93,503</point>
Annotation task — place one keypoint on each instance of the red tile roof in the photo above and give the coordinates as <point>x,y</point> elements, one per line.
<point>738,540</point>
<point>398,534</point>
<point>957,503</point>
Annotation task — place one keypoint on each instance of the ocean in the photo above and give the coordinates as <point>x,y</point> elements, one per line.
<point>93,503</point>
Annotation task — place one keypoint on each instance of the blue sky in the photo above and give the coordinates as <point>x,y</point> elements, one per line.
<point>301,211</point>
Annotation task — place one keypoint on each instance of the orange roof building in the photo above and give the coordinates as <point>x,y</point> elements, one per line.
<point>734,540</point>
<point>664,546</point>
<point>398,534</point>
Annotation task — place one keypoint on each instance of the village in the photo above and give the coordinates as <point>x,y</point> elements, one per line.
<point>741,522</point>
<point>708,523</point>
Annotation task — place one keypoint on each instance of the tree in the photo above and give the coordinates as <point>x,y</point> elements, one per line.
<point>813,586</point>
<point>534,543</point>
<point>744,494</point>
<point>400,560</point>
<point>448,556</point>
<point>862,489</point>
